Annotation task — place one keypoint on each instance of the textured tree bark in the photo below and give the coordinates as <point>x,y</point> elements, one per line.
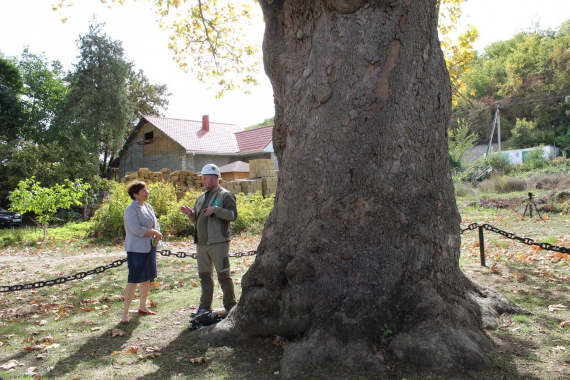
<point>364,236</point>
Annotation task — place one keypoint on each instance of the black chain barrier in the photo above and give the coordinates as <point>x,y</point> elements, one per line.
<point>182,254</point>
<point>101,269</point>
<point>510,235</point>
<point>61,280</point>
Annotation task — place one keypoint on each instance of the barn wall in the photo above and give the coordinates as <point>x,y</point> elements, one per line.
<point>160,152</point>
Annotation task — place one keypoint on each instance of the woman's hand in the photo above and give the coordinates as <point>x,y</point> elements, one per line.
<point>157,236</point>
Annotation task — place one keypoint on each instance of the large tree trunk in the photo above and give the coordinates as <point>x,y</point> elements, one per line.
<point>364,236</point>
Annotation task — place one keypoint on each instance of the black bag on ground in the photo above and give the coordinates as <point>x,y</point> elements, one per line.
<point>204,319</point>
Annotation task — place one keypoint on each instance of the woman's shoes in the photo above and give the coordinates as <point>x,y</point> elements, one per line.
<point>146,312</point>
<point>125,322</point>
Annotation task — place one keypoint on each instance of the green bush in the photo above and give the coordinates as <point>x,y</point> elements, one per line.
<point>253,211</point>
<point>534,159</point>
<point>162,196</point>
<point>499,162</point>
<point>107,223</point>
<point>174,222</point>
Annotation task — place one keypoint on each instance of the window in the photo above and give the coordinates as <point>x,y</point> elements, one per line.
<point>148,136</point>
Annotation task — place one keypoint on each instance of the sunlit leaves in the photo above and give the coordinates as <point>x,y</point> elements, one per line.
<point>457,48</point>
<point>211,39</point>
<point>44,202</point>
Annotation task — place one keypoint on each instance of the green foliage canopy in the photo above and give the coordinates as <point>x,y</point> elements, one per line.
<point>98,109</point>
<point>44,202</point>
<point>529,76</point>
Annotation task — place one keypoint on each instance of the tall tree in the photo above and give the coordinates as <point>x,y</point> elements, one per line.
<point>43,94</point>
<point>365,230</point>
<point>98,108</point>
<point>364,235</point>
<point>11,112</point>
<point>148,98</point>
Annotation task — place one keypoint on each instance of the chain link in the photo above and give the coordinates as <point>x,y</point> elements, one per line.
<point>193,255</point>
<point>103,268</point>
<point>472,226</point>
<point>510,235</point>
<point>61,280</point>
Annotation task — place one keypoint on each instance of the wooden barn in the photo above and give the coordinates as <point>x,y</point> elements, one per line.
<point>176,144</point>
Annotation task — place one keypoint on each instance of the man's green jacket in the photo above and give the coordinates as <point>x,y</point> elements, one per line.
<point>218,224</point>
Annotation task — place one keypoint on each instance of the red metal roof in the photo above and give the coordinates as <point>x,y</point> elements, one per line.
<point>221,138</point>
<point>190,135</point>
<point>254,139</point>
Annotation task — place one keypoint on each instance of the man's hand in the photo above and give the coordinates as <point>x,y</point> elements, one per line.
<point>186,210</point>
<point>209,211</point>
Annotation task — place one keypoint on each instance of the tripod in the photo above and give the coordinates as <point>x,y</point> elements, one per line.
<point>530,203</point>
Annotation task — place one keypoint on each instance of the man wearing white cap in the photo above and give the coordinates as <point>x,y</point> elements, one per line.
<point>212,213</point>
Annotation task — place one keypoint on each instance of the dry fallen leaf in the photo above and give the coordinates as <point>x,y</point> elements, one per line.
<point>554,308</point>
<point>31,371</point>
<point>565,324</point>
<point>152,355</point>
<point>47,339</point>
<point>36,347</point>
<point>11,364</point>
<point>41,356</point>
<point>132,350</point>
<point>152,349</point>
<point>193,283</point>
<point>117,332</point>
<point>95,328</point>
<point>198,360</point>
<point>519,276</point>
<point>153,303</point>
<point>495,269</point>
<point>41,322</point>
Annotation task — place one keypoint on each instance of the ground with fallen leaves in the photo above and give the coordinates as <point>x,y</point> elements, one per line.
<point>72,330</point>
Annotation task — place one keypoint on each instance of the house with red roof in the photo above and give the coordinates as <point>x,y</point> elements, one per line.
<point>160,142</point>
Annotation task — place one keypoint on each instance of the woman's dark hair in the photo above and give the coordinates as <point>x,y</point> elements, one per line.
<point>134,187</point>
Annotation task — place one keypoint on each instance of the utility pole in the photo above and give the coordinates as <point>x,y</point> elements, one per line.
<point>498,127</point>
<point>496,123</point>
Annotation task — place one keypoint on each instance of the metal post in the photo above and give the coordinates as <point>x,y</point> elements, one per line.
<point>482,246</point>
<point>492,133</point>
<point>499,127</point>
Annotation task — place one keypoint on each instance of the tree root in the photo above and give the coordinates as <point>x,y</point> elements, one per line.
<point>321,347</point>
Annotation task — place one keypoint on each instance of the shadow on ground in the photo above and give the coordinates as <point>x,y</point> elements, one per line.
<point>96,351</point>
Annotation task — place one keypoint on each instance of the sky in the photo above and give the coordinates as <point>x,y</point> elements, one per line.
<point>32,23</point>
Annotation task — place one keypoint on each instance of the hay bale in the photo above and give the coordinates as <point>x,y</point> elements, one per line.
<point>261,168</point>
<point>250,186</point>
<point>142,173</point>
<point>129,177</point>
<point>269,185</point>
<point>233,186</point>
<point>165,173</point>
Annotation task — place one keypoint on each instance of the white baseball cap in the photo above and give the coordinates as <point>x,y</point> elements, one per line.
<point>210,169</point>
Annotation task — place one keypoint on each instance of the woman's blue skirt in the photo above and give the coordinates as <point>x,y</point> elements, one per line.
<point>142,266</point>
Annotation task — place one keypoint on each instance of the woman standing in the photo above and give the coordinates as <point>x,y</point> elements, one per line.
<point>142,236</point>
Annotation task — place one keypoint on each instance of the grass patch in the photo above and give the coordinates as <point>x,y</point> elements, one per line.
<point>519,318</point>
<point>59,236</point>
